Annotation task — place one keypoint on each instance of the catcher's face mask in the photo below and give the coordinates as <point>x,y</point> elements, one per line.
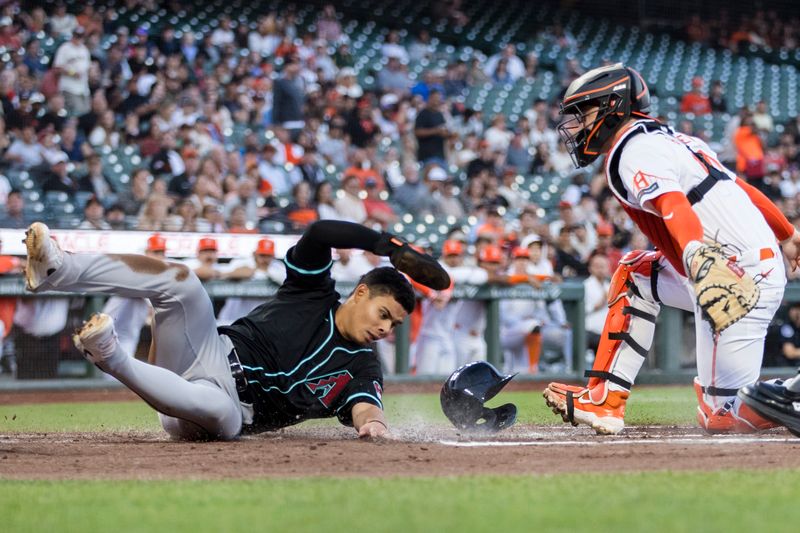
<point>465,392</point>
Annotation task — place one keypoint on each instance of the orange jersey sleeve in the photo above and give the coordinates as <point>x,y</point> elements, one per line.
<point>777,221</point>
<point>679,218</point>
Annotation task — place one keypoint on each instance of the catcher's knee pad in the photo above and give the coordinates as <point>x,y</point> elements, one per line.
<point>630,324</point>
<point>733,417</point>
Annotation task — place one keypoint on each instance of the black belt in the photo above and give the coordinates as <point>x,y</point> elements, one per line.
<point>238,377</point>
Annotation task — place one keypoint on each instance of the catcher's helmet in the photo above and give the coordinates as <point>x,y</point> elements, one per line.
<point>466,390</point>
<point>617,91</point>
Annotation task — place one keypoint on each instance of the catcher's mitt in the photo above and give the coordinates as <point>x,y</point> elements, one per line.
<point>725,292</point>
<point>421,267</point>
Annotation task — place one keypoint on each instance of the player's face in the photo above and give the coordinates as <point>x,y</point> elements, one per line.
<point>374,317</point>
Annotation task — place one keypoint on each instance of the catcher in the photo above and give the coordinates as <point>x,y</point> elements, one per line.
<point>300,355</point>
<point>717,256</point>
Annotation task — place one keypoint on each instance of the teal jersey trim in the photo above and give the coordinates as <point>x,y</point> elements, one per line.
<point>380,404</point>
<point>301,363</point>
<point>296,383</point>
<point>304,271</point>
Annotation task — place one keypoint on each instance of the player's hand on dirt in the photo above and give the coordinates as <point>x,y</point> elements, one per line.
<point>374,429</point>
<point>791,250</point>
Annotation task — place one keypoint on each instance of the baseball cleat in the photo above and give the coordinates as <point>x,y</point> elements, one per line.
<point>97,339</point>
<point>772,400</point>
<point>732,417</point>
<point>44,255</point>
<point>601,409</point>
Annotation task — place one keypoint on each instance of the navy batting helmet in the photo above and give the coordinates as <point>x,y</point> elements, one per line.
<point>465,392</point>
<point>618,92</point>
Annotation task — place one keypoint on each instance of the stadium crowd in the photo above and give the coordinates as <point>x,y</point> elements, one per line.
<point>267,127</point>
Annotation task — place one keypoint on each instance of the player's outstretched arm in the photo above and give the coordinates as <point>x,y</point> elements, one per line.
<point>314,249</point>
<point>369,422</point>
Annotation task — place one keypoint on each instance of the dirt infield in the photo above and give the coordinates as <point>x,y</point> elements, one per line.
<point>335,452</point>
<point>300,452</point>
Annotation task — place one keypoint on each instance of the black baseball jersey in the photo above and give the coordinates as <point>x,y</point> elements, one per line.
<point>297,364</point>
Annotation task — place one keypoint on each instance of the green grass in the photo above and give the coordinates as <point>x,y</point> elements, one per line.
<point>648,405</point>
<point>727,501</point>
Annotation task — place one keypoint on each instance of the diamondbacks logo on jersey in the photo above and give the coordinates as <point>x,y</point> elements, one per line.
<point>327,388</point>
<point>378,390</point>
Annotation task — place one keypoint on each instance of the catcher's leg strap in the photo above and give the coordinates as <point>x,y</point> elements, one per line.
<point>630,324</point>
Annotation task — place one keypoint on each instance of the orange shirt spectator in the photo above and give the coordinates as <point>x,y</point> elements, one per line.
<point>749,151</point>
<point>364,174</point>
<point>694,101</point>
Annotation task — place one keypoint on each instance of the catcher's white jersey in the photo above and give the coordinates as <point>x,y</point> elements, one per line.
<point>653,163</point>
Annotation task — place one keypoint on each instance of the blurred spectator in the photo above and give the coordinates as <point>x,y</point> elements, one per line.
<point>58,178</point>
<point>518,155</point>
<point>362,169</point>
<point>237,221</point>
<point>695,101</point>
<point>181,185</point>
<point>93,215</point>
<point>206,264</point>
<point>605,246</point>
<point>245,196</point>
<point>288,97</point>
<point>716,97</point>
<point>391,47</point>
<point>55,115</point>
<point>133,198</point>
<point>377,208</point>
<point>749,150</point>
<point>762,119</point>
<point>431,131</point>
<point>265,38</point>
<point>25,151</point>
<point>512,65</point>
<point>323,199</point>
<point>541,133</point>
<point>73,144</point>
<point>595,298</point>
<point>105,132</point>
<point>328,26</point>
<point>13,216</point>
<point>155,213</point>
<point>497,135</point>
<point>96,182</point>
<point>349,266</point>
<point>62,23</point>
<point>115,216</point>
<point>262,266</point>
<point>394,77</point>
<point>420,46</point>
<point>349,203</point>
<point>568,260</point>
<point>73,61</point>
<point>301,211</point>
<point>455,82</point>
<point>485,162</point>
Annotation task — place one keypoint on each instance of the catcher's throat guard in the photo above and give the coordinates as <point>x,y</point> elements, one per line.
<point>467,389</point>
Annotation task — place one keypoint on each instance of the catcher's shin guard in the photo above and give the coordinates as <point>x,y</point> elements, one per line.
<point>733,417</point>
<point>630,323</point>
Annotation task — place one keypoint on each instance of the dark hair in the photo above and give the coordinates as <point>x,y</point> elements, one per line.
<point>388,281</point>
